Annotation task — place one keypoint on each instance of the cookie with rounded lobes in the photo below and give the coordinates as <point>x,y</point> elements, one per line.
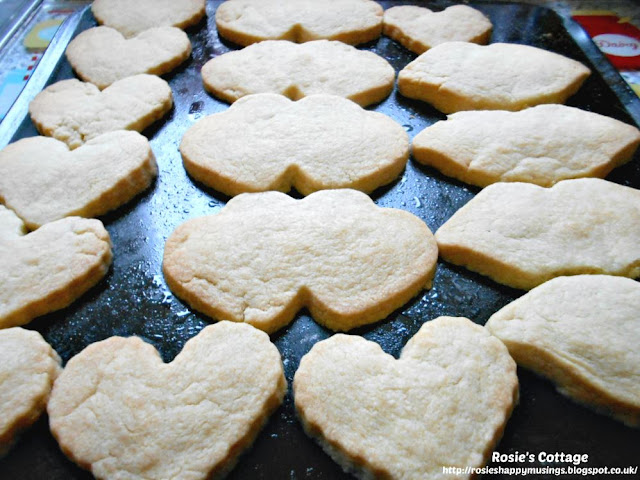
<point>265,256</point>
<point>458,76</point>
<point>419,29</point>
<point>74,112</point>
<point>581,332</point>
<point>49,268</point>
<point>297,70</point>
<point>444,402</point>
<point>28,367</point>
<point>102,56</point>
<point>267,142</point>
<point>350,21</point>
<point>541,145</point>
<point>42,181</point>
<point>522,235</point>
<point>131,18</point>
<point>120,412</point>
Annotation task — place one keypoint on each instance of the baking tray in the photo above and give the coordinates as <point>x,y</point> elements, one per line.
<point>134,300</point>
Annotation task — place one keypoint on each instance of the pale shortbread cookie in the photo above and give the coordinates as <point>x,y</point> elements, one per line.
<point>443,403</point>
<point>48,269</point>
<point>350,21</point>
<point>583,333</point>
<point>42,181</point>
<point>541,145</point>
<point>133,17</point>
<point>267,142</point>
<point>419,29</point>
<point>297,70</point>
<point>28,367</point>
<point>457,76</point>
<point>74,112</point>
<point>102,56</point>
<point>120,412</point>
<point>522,235</point>
<point>265,256</point>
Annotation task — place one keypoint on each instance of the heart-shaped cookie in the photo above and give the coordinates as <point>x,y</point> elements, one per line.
<point>443,403</point>
<point>266,255</point>
<point>102,56</point>
<point>28,367</point>
<point>121,412</point>
<point>42,181</point>
<point>74,112</point>
<point>267,142</point>
<point>349,21</point>
<point>48,269</point>
<point>131,18</point>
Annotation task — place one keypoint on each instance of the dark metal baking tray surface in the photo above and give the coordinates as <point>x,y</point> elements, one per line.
<point>134,300</point>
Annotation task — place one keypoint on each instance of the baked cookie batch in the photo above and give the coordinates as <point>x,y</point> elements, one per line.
<point>298,90</point>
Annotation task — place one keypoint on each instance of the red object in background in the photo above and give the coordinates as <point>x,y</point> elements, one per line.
<point>618,39</point>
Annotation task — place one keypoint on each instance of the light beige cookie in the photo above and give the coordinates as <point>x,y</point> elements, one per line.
<point>265,256</point>
<point>349,21</point>
<point>102,56</point>
<point>267,142</point>
<point>48,269</point>
<point>120,412</point>
<point>74,112</point>
<point>443,403</point>
<point>457,76</point>
<point>522,235</point>
<point>297,70</point>
<point>28,367</point>
<point>133,17</point>
<point>583,333</point>
<point>42,181</point>
<point>419,29</point>
<point>541,145</point>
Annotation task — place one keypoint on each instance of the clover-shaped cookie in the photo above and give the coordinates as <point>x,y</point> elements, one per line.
<point>102,56</point>
<point>349,21</point>
<point>266,255</point>
<point>74,112</point>
<point>267,142</point>
<point>443,403</point>
<point>522,235</point>
<point>121,412</point>
<point>132,17</point>
<point>49,268</point>
<point>419,29</point>
<point>583,333</point>
<point>457,76</point>
<point>541,145</point>
<point>41,180</point>
<point>297,70</point>
<point>28,367</point>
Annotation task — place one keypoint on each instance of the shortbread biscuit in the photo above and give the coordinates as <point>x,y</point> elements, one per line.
<point>102,56</point>
<point>28,367</point>
<point>522,235</point>
<point>502,76</point>
<point>583,333</point>
<point>48,269</point>
<point>297,70</point>
<point>267,142</point>
<point>41,181</point>
<point>443,403</point>
<point>419,29</point>
<point>120,412</point>
<point>350,21</point>
<point>266,255</point>
<point>74,112</point>
<point>133,17</point>
<point>541,145</point>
